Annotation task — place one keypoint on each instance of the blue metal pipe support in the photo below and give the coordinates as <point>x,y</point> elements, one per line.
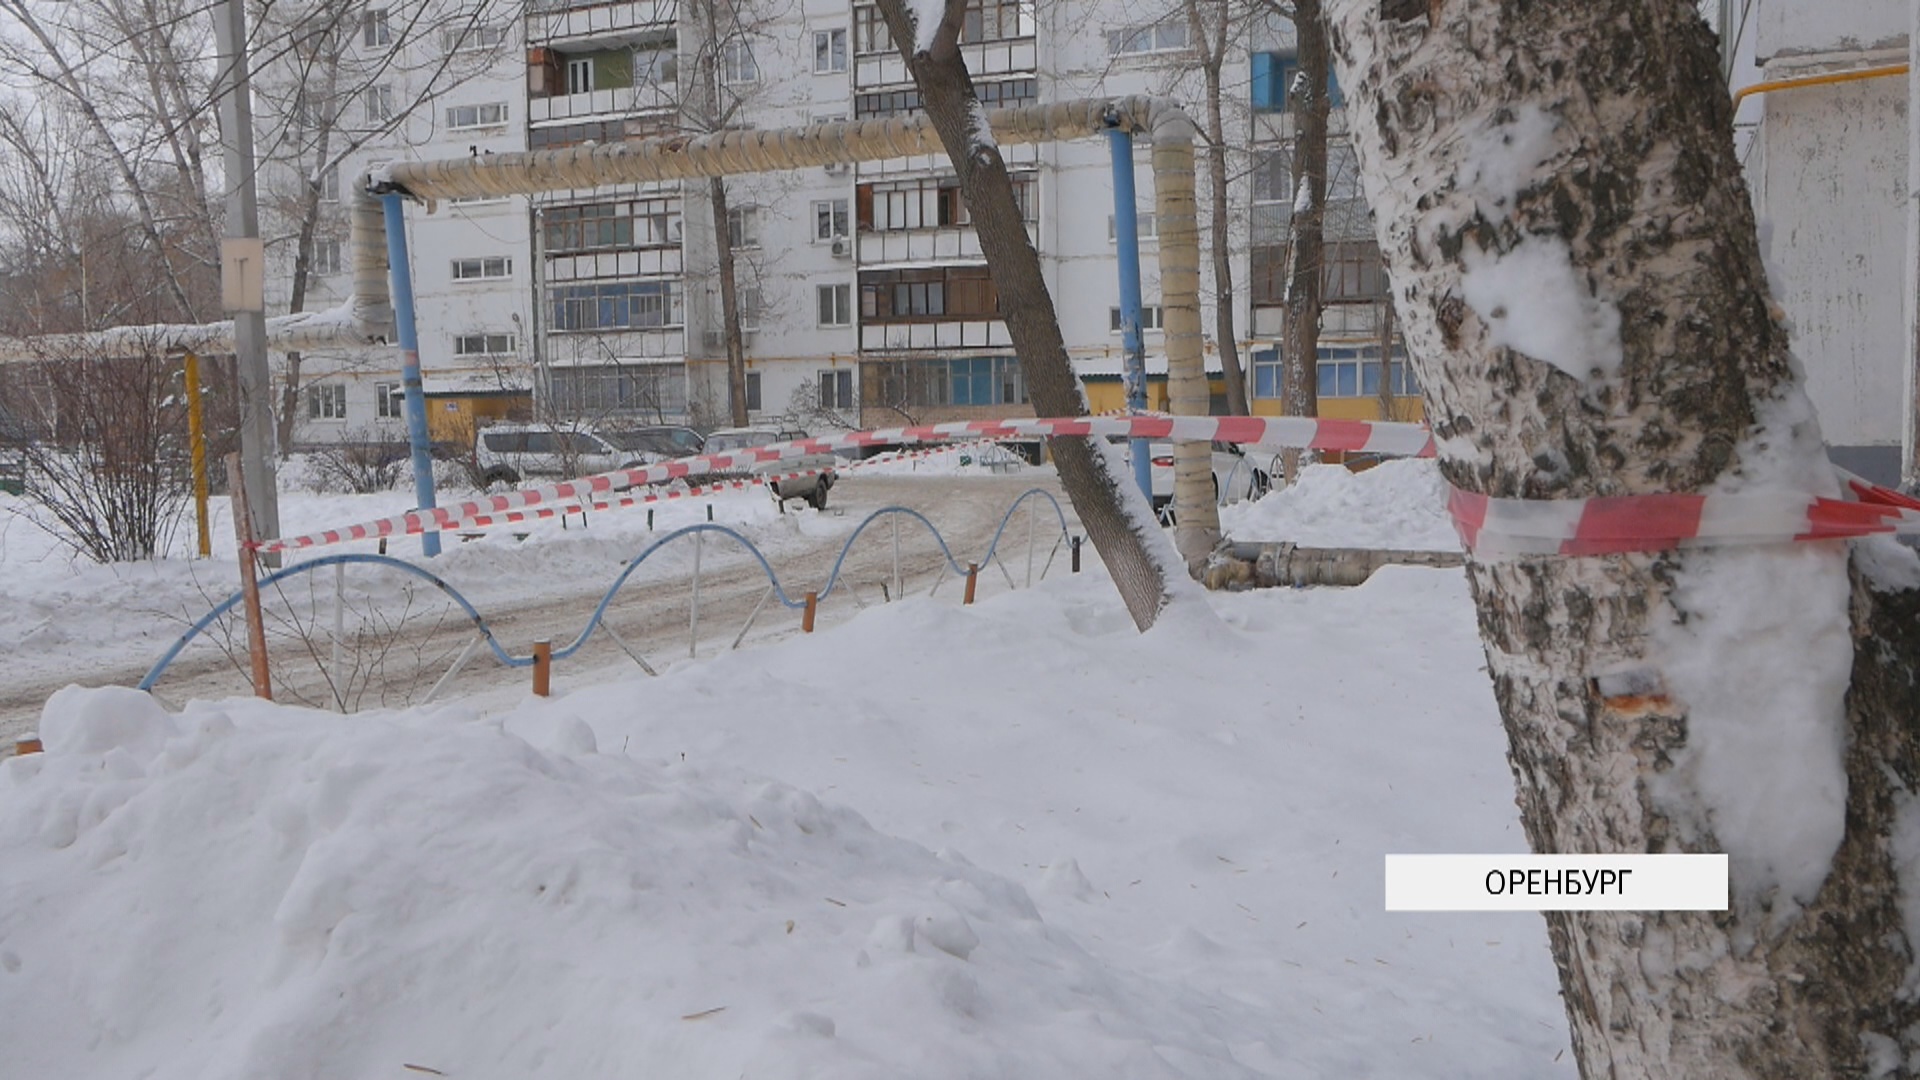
<point>416,398</point>
<point>1126,237</point>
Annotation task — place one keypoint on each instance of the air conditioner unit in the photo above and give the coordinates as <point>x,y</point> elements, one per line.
<point>837,168</point>
<point>843,248</point>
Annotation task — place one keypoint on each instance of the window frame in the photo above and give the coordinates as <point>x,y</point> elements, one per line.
<point>327,402</point>
<point>482,268</point>
<point>376,28</point>
<point>389,401</point>
<point>836,58</point>
<point>836,215</point>
<point>501,115</point>
<point>738,65</point>
<point>833,302</point>
<point>835,389</point>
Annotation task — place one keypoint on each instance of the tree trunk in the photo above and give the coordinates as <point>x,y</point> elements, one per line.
<point>1575,268</point>
<point>946,89</point>
<point>1224,334</point>
<point>729,305</point>
<point>1308,98</point>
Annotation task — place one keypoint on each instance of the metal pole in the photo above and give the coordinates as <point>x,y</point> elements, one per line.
<point>1030,523</point>
<point>693,614</point>
<point>410,363</point>
<point>896,557</point>
<point>1126,242</point>
<point>339,628</point>
<point>243,273</point>
<point>542,668</point>
<point>197,436</point>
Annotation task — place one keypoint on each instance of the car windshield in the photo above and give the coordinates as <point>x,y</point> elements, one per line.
<point>670,443</point>
<point>738,440</point>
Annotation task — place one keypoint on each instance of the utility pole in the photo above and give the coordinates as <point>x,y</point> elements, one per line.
<point>243,273</point>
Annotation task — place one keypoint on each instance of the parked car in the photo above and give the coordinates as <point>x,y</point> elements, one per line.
<point>657,443</point>
<point>1235,475</point>
<point>811,488</point>
<point>506,453</point>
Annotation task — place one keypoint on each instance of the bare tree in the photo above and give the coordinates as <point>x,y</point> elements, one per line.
<point>946,90</point>
<point>1305,237</point>
<point>1579,282</point>
<point>1217,28</point>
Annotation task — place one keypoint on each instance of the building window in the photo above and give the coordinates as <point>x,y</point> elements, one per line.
<point>492,267</point>
<point>656,390</point>
<point>376,30</point>
<point>743,226</point>
<point>1268,373</point>
<point>1006,93</point>
<point>836,304</point>
<point>753,391</point>
<point>1146,226</point>
<point>928,294</point>
<point>623,305</point>
<point>930,203</point>
<point>996,20</point>
<point>1153,37</point>
<point>1151,317</point>
<point>325,258</point>
<point>1354,371</point>
<point>327,401</point>
<point>829,51</point>
<point>631,127</point>
<point>635,223</point>
<point>1273,81</point>
<point>985,380</point>
<point>378,101</point>
<point>330,185</point>
<point>736,63</point>
<point>580,75</point>
<point>492,114</point>
<point>746,304</point>
<point>829,219</point>
<point>312,110</point>
<point>389,401</point>
<point>870,33</point>
<point>480,36</point>
<point>655,65</point>
<point>836,388</point>
<point>483,345</point>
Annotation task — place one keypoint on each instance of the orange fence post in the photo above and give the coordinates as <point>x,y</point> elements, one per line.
<point>28,744</point>
<point>806,615</point>
<point>542,668</point>
<point>973,572</point>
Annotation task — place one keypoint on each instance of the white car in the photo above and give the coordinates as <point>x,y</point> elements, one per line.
<point>811,488</point>
<point>507,452</point>
<point>1235,475</point>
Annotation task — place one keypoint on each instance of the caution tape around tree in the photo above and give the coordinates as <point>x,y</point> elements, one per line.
<point>1280,431</point>
<point>1495,528</point>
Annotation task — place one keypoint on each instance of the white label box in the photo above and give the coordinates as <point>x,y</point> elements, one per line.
<point>1556,883</point>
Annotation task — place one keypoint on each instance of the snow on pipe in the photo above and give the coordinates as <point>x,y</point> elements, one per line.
<point>365,319</point>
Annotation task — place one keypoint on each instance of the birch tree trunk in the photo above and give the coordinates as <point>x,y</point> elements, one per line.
<point>1122,538</point>
<point>1574,263</point>
<point>1306,225</point>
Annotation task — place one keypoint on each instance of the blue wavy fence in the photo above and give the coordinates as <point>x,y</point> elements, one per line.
<point>600,610</point>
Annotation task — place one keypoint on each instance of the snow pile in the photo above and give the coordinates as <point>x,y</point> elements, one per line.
<point>1396,504</point>
<point>971,459</point>
<point>1042,845</point>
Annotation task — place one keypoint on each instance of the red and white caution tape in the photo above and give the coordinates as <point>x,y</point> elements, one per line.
<point>1496,528</point>
<point>1292,431</point>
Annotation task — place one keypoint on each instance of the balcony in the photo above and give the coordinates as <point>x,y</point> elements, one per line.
<point>620,101</point>
<point>552,22</point>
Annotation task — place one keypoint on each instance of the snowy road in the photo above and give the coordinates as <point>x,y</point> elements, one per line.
<point>650,614</point>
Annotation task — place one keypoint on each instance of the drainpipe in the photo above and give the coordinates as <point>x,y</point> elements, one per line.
<point>416,396</point>
<point>1910,429</point>
<point>1126,243</point>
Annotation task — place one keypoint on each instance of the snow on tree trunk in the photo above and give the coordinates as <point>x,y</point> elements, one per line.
<point>1575,269</point>
<point>1125,539</point>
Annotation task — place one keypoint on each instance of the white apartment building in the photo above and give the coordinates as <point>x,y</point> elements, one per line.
<point>864,298</point>
<point>1828,167</point>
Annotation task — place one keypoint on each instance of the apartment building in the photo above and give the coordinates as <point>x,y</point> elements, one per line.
<point>862,292</point>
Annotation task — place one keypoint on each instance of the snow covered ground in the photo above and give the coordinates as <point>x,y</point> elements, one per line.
<point>1398,504</point>
<point>1013,839</point>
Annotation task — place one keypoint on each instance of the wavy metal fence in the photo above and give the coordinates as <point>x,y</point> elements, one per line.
<point>484,636</point>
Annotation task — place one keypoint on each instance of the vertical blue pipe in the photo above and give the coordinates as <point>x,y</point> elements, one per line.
<point>1126,236</point>
<point>416,397</point>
